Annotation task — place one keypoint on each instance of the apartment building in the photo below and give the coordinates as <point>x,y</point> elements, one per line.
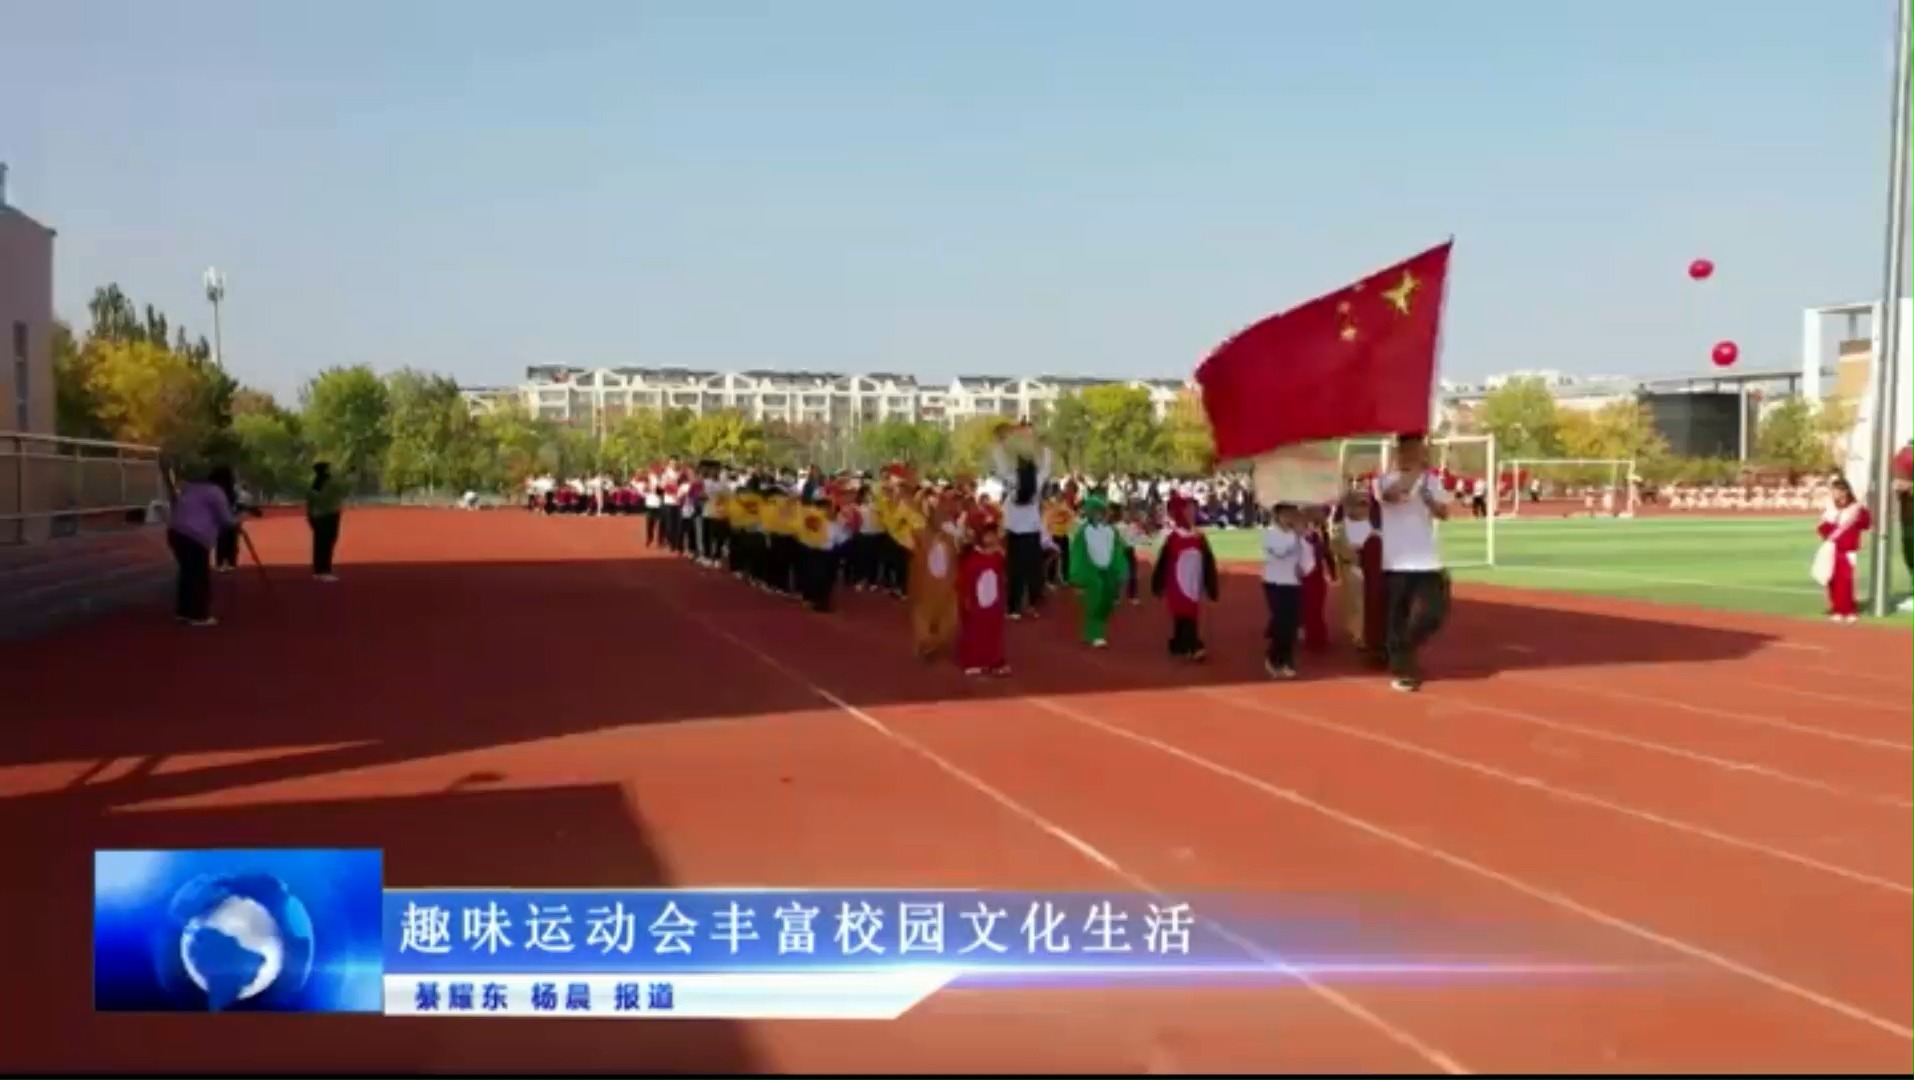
<point>599,396</point>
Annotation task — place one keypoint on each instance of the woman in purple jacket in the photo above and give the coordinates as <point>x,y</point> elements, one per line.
<point>200,514</point>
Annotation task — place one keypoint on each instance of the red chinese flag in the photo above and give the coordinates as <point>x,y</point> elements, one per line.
<point>1359,361</point>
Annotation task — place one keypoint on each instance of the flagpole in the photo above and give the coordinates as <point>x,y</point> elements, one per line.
<point>1888,361</point>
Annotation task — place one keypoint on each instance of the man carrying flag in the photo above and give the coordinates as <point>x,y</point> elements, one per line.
<point>1352,363</point>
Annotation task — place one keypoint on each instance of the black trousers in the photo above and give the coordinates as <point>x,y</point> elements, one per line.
<point>325,538</point>
<point>1418,606</point>
<point>1905,506</point>
<point>654,517</point>
<point>783,562</point>
<point>1185,640</point>
<point>1025,571</point>
<point>226,551</point>
<point>864,557</point>
<point>193,596</point>
<point>817,573</point>
<point>1285,603</point>
<point>1135,574</point>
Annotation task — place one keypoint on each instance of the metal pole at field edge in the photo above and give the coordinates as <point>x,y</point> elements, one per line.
<point>1888,362</point>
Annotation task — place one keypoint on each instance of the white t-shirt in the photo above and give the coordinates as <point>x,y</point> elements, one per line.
<point>1022,518</point>
<point>1408,528</point>
<point>1287,557</point>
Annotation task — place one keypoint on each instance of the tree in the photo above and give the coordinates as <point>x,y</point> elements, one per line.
<point>572,451</point>
<point>247,400</point>
<point>676,424</point>
<point>919,445</point>
<point>1067,428</point>
<point>507,444</point>
<point>1522,415</point>
<point>1188,448</point>
<point>635,441</point>
<point>76,413</point>
<point>1801,437</point>
<point>145,393</point>
<point>971,442</point>
<point>270,456</point>
<point>793,446</point>
<point>1124,436</point>
<point>344,413</point>
<point>726,435</point>
<point>1620,429</point>
<point>428,425</point>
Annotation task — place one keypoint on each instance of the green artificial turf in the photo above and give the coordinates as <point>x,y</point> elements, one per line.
<point>1736,564</point>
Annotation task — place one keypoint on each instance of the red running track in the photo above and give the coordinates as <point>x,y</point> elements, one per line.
<point>1718,804</point>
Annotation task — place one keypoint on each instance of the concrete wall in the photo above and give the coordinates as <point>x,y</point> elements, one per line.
<point>1854,367</point>
<point>26,324</point>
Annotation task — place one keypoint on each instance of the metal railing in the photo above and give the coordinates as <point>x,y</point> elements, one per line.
<point>51,485</point>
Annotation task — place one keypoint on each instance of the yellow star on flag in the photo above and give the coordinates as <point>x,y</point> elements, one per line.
<point>1398,297</point>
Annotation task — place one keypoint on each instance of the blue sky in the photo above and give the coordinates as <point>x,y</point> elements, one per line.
<point>1105,187</point>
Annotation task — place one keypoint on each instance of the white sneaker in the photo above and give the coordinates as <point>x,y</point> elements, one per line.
<point>1100,643</point>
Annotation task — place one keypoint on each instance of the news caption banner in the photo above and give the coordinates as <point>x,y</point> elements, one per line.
<point>743,954</point>
<point>280,930</point>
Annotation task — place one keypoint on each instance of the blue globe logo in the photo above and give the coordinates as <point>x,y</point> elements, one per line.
<point>235,940</point>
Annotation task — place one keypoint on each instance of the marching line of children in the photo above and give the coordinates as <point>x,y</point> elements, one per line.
<point>942,548</point>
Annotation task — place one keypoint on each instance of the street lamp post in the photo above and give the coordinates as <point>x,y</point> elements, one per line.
<point>215,293</point>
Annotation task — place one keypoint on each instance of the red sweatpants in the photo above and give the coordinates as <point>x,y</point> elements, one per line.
<point>1315,611</point>
<point>1375,598</point>
<point>1841,587</point>
<point>980,638</point>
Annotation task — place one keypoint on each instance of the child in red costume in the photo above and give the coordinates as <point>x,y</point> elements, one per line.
<point>1840,529</point>
<point>981,597</point>
<point>1316,583</point>
<point>1185,573</point>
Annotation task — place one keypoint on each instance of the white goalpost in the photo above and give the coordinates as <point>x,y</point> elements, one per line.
<point>1468,537</point>
<point>1600,487</point>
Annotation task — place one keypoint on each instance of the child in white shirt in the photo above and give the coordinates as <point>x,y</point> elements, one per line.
<point>1287,559</point>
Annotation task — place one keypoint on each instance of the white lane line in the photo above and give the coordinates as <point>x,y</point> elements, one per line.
<point>1660,702</point>
<point>1565,794</point>
<point>1456,702</point>
<point>1546,895</point>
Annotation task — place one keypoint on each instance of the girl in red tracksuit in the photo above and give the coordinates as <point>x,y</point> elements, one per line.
<point>1841,527</point>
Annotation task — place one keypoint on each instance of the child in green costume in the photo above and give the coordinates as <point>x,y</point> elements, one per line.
<point>1099,564</point>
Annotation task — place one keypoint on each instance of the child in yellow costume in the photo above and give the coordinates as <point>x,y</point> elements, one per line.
<point>933,584</point>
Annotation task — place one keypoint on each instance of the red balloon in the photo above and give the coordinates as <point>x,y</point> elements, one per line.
<point>1726,353</point>
<point>1701,269</point>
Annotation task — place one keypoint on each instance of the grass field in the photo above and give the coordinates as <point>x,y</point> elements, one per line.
<point>1738,564</point>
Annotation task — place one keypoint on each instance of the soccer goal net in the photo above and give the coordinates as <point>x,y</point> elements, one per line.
<point>1569,487</point>
<point>1465,465</point>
